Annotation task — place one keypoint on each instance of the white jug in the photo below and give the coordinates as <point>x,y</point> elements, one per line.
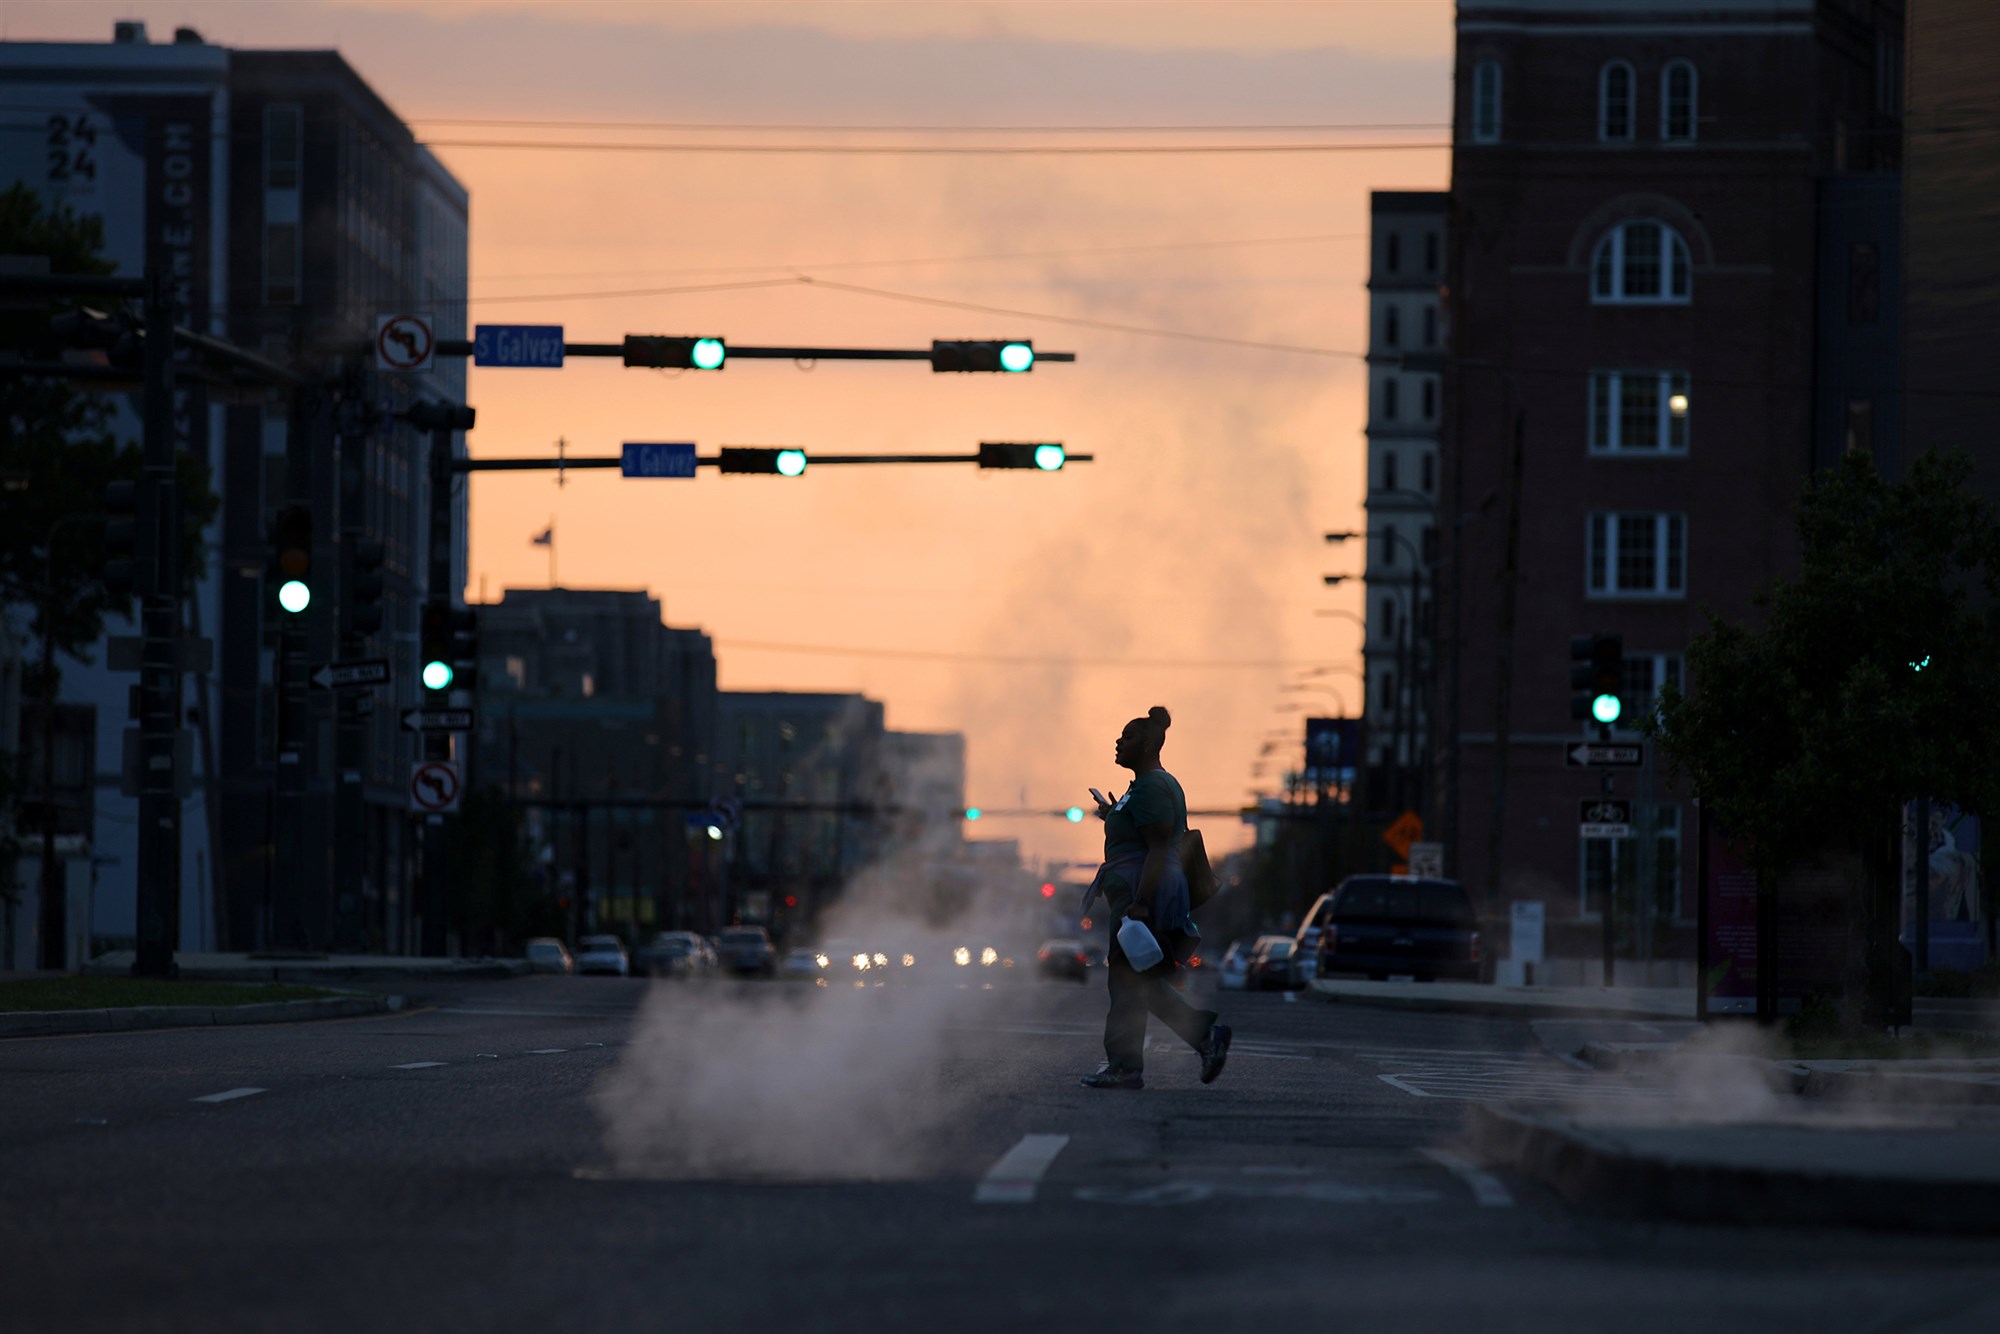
<point>1141,946</point>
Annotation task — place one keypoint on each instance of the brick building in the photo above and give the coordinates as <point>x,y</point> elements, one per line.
<point>1648,224</point>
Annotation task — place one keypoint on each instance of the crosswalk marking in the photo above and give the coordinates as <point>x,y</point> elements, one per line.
<point>1485,1187</point>
<point>1013,1179</point>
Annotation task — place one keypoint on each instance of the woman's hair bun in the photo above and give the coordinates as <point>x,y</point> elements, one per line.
<point>1159,717</point>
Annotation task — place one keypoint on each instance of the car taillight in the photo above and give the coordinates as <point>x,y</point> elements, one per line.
<point>1329,941</point>
<point>1475,947</point>
<point>1194,961</point>
<point>1083,958</point>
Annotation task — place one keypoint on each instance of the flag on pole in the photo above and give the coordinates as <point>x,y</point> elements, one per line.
<point>547,537</point>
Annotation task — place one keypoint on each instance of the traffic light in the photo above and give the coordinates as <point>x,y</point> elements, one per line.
<point>1597,675</point>
<point>122,575</point>
<point>431,415</point>
<point>752,459</point>
<point>1074,815</point>
<point>291,558</point>
<point>963,354</point>
<point>686,354</point>
<point>1046,457</point>
<point>364,585</point>
<point>1048,891</point>
<point>448,644</point>
<point>973,812</point>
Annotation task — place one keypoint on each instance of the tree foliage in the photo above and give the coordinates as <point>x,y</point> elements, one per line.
<point>1871,681</point>
<point>58,450</point>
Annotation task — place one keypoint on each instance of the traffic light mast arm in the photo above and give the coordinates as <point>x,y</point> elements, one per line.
<point>462,347</point>
<point>714,460</point>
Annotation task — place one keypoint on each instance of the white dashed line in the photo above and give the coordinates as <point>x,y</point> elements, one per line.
<point>419,1065</point>
<point>547,1051</point>
<point>228,1095</point>
<point>1013,1179</point>
<point>1485,1187</point>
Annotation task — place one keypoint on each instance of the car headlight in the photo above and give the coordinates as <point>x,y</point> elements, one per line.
<point>861,962</point>
<point>961,956</point>
<point>820,959</point>
<point>988,957</point>
<point>909,961</point>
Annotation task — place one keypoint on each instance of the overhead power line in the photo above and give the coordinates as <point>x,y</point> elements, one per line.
<point>1012,660</point>
<point>1241,127</point>
<point>934,150</point>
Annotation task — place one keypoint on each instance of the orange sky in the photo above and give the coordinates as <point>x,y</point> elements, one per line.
<point>1196,534</point>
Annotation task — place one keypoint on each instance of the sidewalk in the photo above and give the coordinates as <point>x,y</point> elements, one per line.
<point>1904,1083</point>
<point>308,968</point>
<point>1801,1165</point>
<point>1513,1002</point>
<point>130,1018</point>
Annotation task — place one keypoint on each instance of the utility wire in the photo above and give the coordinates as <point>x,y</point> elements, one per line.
<point>1007,660</point>
<point>469,122</point>
<point>935,150</point>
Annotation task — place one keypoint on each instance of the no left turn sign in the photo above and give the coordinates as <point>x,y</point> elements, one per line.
<point>403,342</point>
<point>434,786</point>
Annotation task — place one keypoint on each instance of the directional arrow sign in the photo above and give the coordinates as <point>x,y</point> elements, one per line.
<point>439,720</point>
<point>346,675</point>
<point>1583,755</point>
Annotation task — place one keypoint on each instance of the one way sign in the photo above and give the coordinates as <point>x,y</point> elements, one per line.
<point>1586,755</point>
<point>439,720</point>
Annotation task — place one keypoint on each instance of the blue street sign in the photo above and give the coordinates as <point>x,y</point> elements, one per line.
<point>517,345</point>
<point>658,461</point>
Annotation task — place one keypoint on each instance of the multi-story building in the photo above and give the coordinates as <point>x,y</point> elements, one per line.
<point>1646,323</point>
<point>1405,339</point>
<point>294,206</point>
<point>601,721</point>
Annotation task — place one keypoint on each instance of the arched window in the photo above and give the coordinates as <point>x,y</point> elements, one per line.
<point>1678,90</point>
<point>1486,102</point>
<point>1392,327</point>
<point>1614,102</point>
<point>1643,261</point>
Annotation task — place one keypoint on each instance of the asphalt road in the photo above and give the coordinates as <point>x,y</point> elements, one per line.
<point>521,1156</point>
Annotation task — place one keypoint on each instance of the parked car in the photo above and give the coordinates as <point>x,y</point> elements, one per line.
<point>602,954</point>
<point>546,954</point>
<point>1305,958</point>
<point>1271,964</point>
<point>1383,925</point>
<point>1232,974</point>
<point>680,954</point>
<point>747,949</point>
<point>1063,957</point>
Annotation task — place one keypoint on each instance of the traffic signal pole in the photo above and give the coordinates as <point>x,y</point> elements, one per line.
<point>159,694</point>
<point>435,904</point>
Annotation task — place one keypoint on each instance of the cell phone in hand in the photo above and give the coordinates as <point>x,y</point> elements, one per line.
<point>1098,797</point>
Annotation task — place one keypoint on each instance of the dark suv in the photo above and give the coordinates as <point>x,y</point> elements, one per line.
<point>1379,925</point>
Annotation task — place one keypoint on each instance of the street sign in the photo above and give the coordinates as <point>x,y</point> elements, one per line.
<point>1427,861</point>
<point>403,343</point>
<point>439,720</point>
<point>1605,817</point>
<point>1525,917</point>
<point>517,345</point>
<point>1585,754</point>
<point>434,786</point>
<point>658,461</point>
<point>1406,830</point>
<point>354,672</point>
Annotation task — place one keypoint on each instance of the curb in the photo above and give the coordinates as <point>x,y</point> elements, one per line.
<point>132,1018</point>
<point>1506,1009</point>
<point>1943,1083</point>
<point>1593,1172</point>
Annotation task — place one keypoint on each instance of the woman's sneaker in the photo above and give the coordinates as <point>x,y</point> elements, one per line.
<point>1214,1052</point>
<point>1109,1076</point>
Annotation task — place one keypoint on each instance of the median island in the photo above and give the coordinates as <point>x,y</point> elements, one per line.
<point>107,993</point>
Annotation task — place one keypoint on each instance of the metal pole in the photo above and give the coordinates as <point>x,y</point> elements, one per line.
<point>159,869</point>
<point>350,842</point>
<point>1503,693</point>
<point>54,924</point>
<point>437,745</point>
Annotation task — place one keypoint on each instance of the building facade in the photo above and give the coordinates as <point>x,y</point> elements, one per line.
<point>1639,202</point>
<point>292,206</point>
<point>1405,344</point>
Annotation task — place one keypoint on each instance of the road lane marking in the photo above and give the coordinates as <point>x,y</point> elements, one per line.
<point>1291,997</point>
<point>1485,1187</point>
<point>1013,1179</point>
<point>418,1065</point>
<point>547,1051</point>
<point>228,1095</point>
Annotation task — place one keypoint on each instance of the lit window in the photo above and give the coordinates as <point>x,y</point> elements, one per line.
<point>1486,102</point>
<point>1637,555</point>
<point>1614,103</point>
<point>1641,262</point>
<point>1639,412</point>
<point>1677,102</point>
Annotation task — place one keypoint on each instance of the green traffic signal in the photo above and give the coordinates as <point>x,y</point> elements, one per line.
<point>1050,458</point>
<point>437,675</point>
<point>1074,815</point>
<point>973,812</point>
<point>707,354</point>
<point>1017,357</point>
<point>294,596</point>
<point>1606,708</point>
